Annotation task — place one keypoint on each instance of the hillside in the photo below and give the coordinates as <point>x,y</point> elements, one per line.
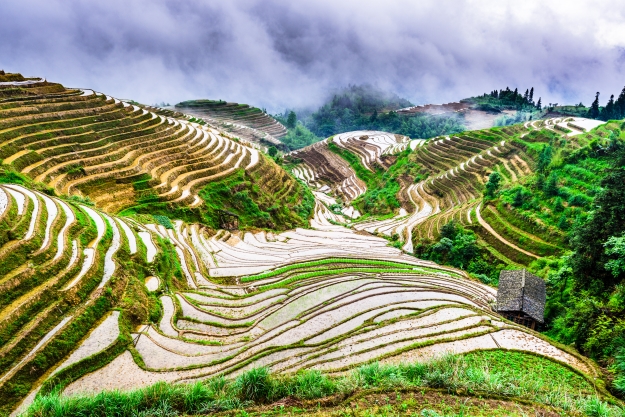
<point>168,307</point>
<point>121,156</point>
<point>445,181</point>
<point>246,122</point>
<point>154,264</point>
<point>495,199</point>
<point>365,107</point>
<point>369,108</point>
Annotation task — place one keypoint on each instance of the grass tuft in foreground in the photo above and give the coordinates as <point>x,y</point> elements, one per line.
<point>493,374</point>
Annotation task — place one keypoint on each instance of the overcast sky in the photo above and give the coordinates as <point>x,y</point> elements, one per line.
<point>279,54</point>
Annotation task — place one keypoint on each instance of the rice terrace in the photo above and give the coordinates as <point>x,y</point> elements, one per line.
<point>356,254</point>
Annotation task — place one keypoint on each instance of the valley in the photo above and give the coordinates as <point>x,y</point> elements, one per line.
<point>167,254</point>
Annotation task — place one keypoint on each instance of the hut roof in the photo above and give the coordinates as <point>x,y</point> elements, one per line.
<point>521,291</point>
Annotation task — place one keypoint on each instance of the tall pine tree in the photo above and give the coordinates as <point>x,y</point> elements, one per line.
<point>619,105</point>
<point>291,120</point>
<point>607,112</point>
<point>593,112</point>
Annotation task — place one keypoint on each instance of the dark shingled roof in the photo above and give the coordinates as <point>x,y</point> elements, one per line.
<point>521,291</point>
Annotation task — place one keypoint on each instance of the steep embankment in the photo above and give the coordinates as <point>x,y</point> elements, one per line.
<point>247,122</point>
<point>119,155</point>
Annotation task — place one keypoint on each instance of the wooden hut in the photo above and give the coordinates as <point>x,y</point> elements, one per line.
<point>521,298</point>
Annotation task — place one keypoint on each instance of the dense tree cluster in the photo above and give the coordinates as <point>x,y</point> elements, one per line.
<point>298,136</point>
<point>494,180</point>
<point>514,98</point>
<point>614,109</point>
<point>607,221</point>
<point>507,99</point>
<point>458,247</point>
<point>367,108</point>
<point>363,108</point>
<point>586,306</point>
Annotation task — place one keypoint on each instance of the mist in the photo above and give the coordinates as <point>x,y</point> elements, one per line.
<point>278,54</point>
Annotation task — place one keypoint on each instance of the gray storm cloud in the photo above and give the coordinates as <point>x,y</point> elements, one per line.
<point>279,54</point>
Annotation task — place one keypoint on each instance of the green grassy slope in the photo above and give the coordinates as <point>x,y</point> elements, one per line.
<point>508,383</point>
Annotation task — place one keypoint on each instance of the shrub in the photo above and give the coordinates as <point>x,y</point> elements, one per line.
<point>579,200</point>
<point>551,186</point>
<point>310,384</point>
<point>596,408</point>
<point>83,200</point>
<point>558,207</point>
<point>164,221</point>
<point>75,170</point>
<point>374,374</point>
<point>254,385</point>
<point>493,183</point>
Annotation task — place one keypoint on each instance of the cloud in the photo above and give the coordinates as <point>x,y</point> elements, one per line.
<point>279,54</point>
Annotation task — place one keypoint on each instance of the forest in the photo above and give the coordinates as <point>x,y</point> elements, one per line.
<point>363,108</point>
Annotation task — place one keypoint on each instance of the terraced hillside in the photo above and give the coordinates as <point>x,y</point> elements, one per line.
<point>79,142</point>
<point>64,266</point>
<point>325,168</point>
<point>190,304</point>
<point>247,122</point>
<point>322,167</point>
<point>115,274</point>
<point>370,310</point>
<point>457,169</point>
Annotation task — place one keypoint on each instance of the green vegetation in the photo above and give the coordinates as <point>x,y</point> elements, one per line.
<point>244,196</point>
<point>496,101</point>
<point>247,195</point>
<point>198,121</point>
<point>367,108</point>
<point>164,221</point>
<point>485,374</point>
<point>574,201</point>
<point>550,201</point>
<point>323,262</point>
<point>518,234</point>
<point>459,247</point>
<point>9,175</point>
<point>614,109</point>
<point>75,170</point>
<point>588,303</point>
<point>321,272</point>
<point>298,135</point>
<point>382,184</point>
<point>381,194</point>
<point>494,179</point>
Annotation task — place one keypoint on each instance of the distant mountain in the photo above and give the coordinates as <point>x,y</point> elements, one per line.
<point>369,108</point>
